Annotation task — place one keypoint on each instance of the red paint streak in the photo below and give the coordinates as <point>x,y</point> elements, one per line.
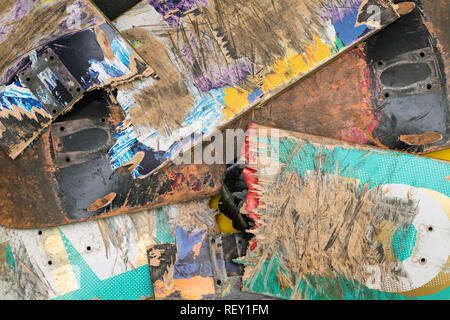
<point>252,200</point>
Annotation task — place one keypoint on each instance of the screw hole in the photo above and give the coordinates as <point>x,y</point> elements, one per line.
<point>429,86</point>
<point>423,260</point>
<point>88,248</point>
<point>430,228</point>
<point>61,128</point>
<point>219,282</point>
<point>387,95</point>
<point>54,111</point>
<point>213,240</point>
<point>103,120</point>
<point>52,57</point>
<point>28,79</point>
<point>40,232</point>
<point>50,263</point>
<point>78,89</point>
<point>380,63</point>
<point>422,54</point>
<point>67,159</point>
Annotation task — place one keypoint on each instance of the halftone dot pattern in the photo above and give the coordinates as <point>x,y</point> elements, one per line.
<point>376,167</point>
<point>131,285</point>
<point>28,247</point>
<point>404,242</point>
<point>441,281</point>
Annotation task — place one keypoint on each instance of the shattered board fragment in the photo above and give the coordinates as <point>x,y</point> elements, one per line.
<point>97,260</point>
<point>50,53</point>
<point>182,270</point>
<point>210,70</point>
<point>192,260</point>
<point>227,273</point>
<point>341,221</point>
<point>103,260</point>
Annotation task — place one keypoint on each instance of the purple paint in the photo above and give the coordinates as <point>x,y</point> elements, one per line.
<point>336,12</point>
<point>213,76</point>
<point>173,10</point>
<point>75,16</point>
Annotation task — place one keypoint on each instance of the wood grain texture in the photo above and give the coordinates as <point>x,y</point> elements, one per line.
<point>89,53</point>
<point>33,201</point>
<point>231,67</point>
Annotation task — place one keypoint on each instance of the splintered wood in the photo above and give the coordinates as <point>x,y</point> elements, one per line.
<point>320,229</point>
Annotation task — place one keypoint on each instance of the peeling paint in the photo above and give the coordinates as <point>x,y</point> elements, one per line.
<point>331,225</point>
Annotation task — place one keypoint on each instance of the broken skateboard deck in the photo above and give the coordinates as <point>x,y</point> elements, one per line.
<point>215,60</point>
<point>336,220</point>
<point>72,184</point>
<point>102,260</point>
<point>95,260</point>
<point>67,177</point>
<point>195,262</point>
<point>390,92</point>
<point>51,52</point>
